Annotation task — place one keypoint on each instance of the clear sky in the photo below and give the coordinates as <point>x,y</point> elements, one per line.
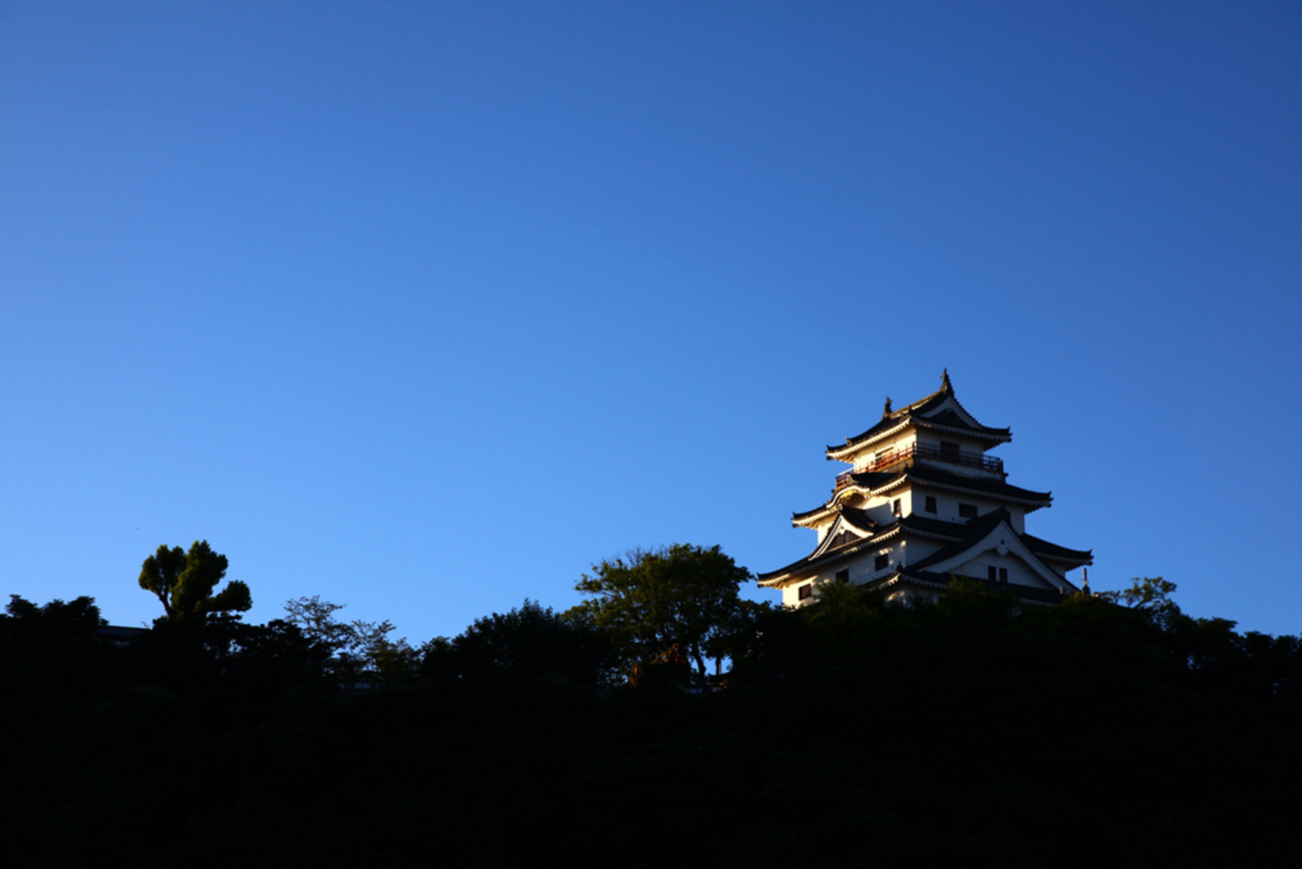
<point>424,308</point>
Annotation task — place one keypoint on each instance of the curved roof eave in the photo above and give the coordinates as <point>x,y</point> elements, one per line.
<point>894,420</point>
<point>949,482</point>
<point>910,526</point>
<point>854,445</point>
<point>793,572</point>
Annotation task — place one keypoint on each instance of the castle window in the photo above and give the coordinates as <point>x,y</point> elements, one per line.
<point>967,511</point>
<point>948,452</point>
<point>990,574</point>
<point>843,576</point>
<point>931,504</point>
<point>895,507</point>
<point>1003,574</point>
<point>806,590</point>
<point>882,562</point>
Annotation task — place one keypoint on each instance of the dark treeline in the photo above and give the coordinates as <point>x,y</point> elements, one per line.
<point>852,731</point>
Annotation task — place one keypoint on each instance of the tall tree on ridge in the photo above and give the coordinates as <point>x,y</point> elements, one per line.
<point>184,581</point>
<point>678,595</point>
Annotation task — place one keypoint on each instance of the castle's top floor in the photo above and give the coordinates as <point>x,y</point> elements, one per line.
<point>936,427</point>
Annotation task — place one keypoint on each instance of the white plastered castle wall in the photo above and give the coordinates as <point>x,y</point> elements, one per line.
<point>1019,572</point>
<point>862,567</point>
<point>884,449</point>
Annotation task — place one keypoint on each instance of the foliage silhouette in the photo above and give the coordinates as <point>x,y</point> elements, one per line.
<point>58,642</point>
<point>184,581</point>
<point>925,732</point>
<point>531,643</point>
<point>1150,595</point>
<point>652,600</point>
<point>352,651</point>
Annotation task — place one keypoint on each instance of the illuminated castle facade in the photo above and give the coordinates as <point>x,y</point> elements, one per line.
<point>921,504</point>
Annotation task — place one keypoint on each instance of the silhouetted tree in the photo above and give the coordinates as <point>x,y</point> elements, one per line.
<point>356,649</point>
<point>681,594</point>
<point>75,619</point>
<point>529,643</point>
<point>58,641</point>
<point>1150,595</point>
<point>184,581</point>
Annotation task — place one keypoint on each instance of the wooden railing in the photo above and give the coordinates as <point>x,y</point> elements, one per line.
<point>924,451</point>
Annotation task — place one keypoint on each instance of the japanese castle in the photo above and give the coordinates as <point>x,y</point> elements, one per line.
<point>921,504</point>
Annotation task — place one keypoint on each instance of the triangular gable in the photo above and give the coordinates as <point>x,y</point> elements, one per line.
<point>951,416</point>
<point>839,527</point>
<point>950,403</point>
<point>1005,541</point>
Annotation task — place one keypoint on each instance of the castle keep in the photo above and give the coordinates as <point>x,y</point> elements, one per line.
<point>921,504</point>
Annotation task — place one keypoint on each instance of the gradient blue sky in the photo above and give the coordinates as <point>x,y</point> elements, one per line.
<point>424,308</point>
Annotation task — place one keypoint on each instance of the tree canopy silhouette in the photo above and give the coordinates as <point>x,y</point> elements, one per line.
<point>184,581</point>
<point>681,594</point>
<point>353,650</point>
<point>531,643</point>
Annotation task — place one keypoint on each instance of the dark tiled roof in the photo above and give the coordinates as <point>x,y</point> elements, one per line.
<point>917,412</point>
<point>960,535</point>
<point>887,422</point>
<point>831,555</point>
<point>934,527</point>
<point>927,473</point>
<point>1045,549</point>
<point>120,635</point>
<point>796,517</point>
<point>873,479</point>
<point>121,632</point>
<point>950,419</point>
<point>983,525</point>
<point>1025,592</point>
<point>919,524</point>
<point>859,519</point>
<point>974,530</point>
<point>943,419</point>
<point>807,562</point>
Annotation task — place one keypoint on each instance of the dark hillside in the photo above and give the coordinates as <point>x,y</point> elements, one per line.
<point>1080,733</point>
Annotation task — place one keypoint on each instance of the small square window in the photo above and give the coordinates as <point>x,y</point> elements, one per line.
<point>806,590</point>
<point>882,562</point>
<point>843,576</point>
<point>949,452</point>
<point>967,511</point>
<point>931,504</point>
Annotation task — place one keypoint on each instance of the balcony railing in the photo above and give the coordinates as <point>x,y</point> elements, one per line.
<point>924,451</point>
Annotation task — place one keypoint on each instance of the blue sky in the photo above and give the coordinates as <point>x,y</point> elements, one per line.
<point>425,308</point>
